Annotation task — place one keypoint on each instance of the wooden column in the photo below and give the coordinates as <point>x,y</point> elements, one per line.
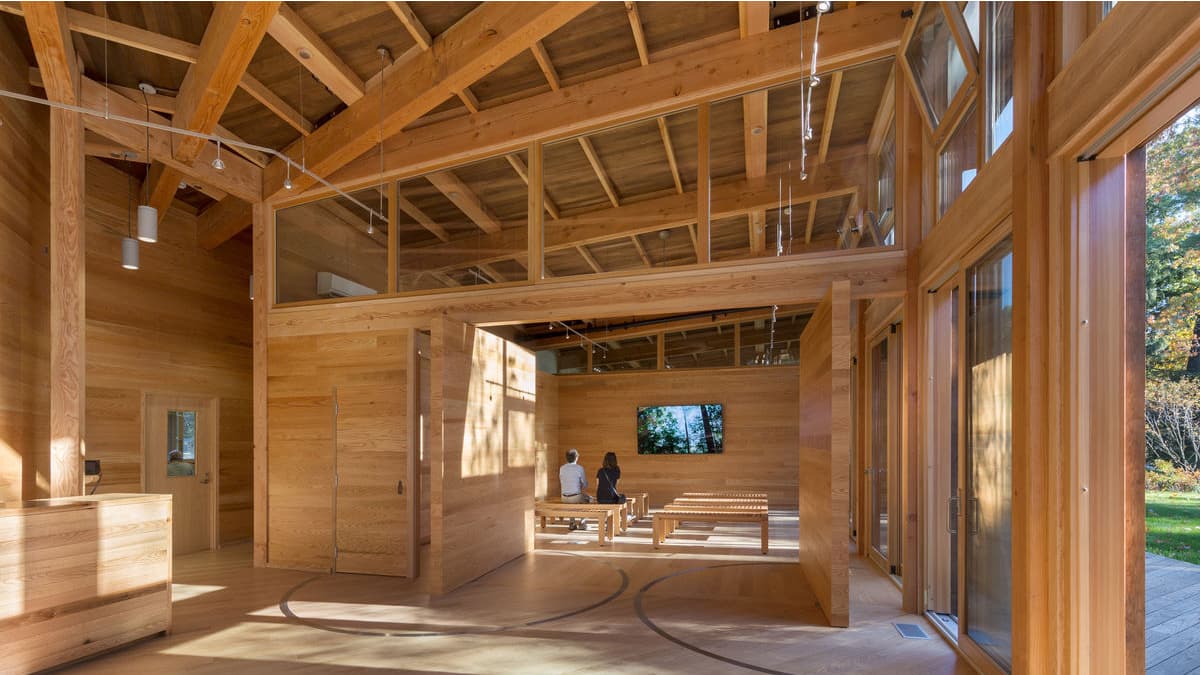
<point>67,285</point>
<point>537,215</point>
<point>910,141</point>
<point>1038,638</point>
<point>262,301</point>
<point>703,185</point>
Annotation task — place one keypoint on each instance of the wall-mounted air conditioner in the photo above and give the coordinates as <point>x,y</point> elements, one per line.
<point>330,285</point>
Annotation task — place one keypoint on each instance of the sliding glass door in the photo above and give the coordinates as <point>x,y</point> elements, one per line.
<point>942,449</point>
<point>988,503</point>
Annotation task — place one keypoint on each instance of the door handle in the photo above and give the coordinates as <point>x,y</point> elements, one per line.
<point>207,478</point>
<point>973,514</point>
<point>399,487</point>
<point>952,515</point>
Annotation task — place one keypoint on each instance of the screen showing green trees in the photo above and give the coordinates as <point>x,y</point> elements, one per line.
<point>681,429</point>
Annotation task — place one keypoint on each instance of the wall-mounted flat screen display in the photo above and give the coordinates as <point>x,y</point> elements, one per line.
<point>681,429</point>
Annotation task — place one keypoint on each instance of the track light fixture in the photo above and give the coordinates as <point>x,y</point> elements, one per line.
<point>129,245</point>
<point>823,6</point>
<point>287,182</point>
<point>217,163</point>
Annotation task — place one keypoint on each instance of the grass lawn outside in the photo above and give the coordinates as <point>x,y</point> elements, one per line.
<point>1173,525</point>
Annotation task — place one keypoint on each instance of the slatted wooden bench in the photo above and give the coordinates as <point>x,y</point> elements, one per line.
<point>667,520</point>
<point>639,504</point>
<point>619,512</point>
<point>603,516</point>
<point>726,495</point>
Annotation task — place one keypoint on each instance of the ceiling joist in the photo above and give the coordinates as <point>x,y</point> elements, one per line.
<point>483,40</point>
<point>842,177</point>
<point>848,38</point>
<point>307,47</point>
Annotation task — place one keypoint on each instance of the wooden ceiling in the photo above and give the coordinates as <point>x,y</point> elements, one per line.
<point>473,217</point>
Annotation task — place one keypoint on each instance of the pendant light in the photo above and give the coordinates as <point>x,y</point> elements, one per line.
<point>129,245</point>
<point>147,215</point>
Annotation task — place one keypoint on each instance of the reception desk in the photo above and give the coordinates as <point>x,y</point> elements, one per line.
<point>82,575</point>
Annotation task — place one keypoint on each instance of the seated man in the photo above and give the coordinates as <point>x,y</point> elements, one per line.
<point>573,480</point>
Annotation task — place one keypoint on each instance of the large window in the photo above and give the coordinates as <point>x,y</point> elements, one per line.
<point>332,248</point>
<point>937,62</point>
<point>998,69</point>
<point>989,454</point>
<point>958,162</point>
<point>885,195</point>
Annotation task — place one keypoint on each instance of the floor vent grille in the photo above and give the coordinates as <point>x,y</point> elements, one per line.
<point>911,631</point>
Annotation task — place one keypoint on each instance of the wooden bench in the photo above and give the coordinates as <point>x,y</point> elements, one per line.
<point>726,495</point>
<point>639,504</point>
<point>604,517</point>
<point>667,520</point>
<point>618,512</point>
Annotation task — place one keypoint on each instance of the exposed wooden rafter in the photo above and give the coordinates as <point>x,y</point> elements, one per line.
<point>47,23</point>
<point>831,104</point>
<point>303,43</point>
<point>842,177</point>
<point>181,50</point>
<point>465,199</point>
<point>812,219</point>
<point>422,218</point>
<point>849,37</point>
<point>523,172</point>
<point>754,18</point>
<point>230,40</point>
<point>637,243</point>
<point>484,39</point>
<point>589,258</point>
<point>639,39</point>
<point>601,174</point>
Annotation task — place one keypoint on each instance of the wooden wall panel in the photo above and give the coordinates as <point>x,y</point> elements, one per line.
<point>88,575</point>
<point>302,375</point>
<point>24,282</point>
<point>483,392</point>
<point>598,413</point>
<point>824,502</point>
<point>179,325</point>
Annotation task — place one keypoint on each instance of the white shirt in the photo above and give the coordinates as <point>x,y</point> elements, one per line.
<point>572,479</point>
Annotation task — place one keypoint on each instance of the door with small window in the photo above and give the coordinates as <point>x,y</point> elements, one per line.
<point>180,446</point>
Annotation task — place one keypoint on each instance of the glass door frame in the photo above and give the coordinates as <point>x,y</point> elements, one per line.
<point>890,335</point>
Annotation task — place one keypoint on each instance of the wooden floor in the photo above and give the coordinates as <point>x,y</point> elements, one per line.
<point>1172,616</point>
<point>724,598</point>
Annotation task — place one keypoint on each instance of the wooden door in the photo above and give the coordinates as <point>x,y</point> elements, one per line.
<point>372,484</point>
<point>181,449</point>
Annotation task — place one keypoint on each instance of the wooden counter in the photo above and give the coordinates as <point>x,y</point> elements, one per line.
<point>82,575</point>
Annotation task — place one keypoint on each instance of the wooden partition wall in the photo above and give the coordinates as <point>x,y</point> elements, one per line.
<point>364,376</point>
<point>598,414</point>
<point>824,412</point>
<point>483,440</point>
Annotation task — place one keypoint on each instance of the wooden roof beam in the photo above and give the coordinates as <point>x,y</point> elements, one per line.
<point>589,258</point>
<point>230,40</point>
<point>222,221</point>
<point>849,37</point>
<point>831,104</point>
<point>488,37</point>
<point>422,218</point>
<point>754,18</point>
<point>465,199</point>
<point>47,23</point>
<point>181,50</point>
<point>543,61</point>
<point>590,151</point>
<point>523,172</point>
<point>637,243</point>
<point>241,178</point>
<point>812,220</point>
<point>639,34</point>
<point>303,43</point>
<point>842,177</point>
<point>424,42</point>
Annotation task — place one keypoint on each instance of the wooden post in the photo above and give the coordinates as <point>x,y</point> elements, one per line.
<point>703,185</point>
<point>537,216</point>
<point>1037,637</point>
<point>68,387</point>
<point>262,301</point>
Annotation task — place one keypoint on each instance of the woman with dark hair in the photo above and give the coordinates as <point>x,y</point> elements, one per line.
<point>606,481</point>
